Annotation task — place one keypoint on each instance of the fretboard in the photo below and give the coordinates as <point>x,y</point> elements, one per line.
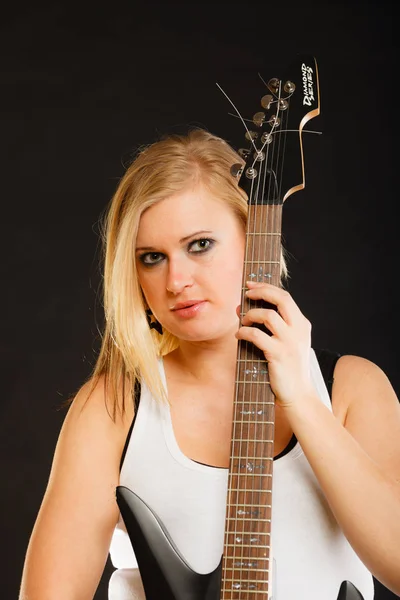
<point>246,562</point>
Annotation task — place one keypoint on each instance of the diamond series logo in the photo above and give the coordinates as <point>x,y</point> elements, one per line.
<point>308,85</point>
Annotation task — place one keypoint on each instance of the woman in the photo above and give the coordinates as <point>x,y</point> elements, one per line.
<point>175,242</point>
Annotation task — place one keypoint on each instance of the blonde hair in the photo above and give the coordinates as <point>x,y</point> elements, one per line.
<point>129,349</point>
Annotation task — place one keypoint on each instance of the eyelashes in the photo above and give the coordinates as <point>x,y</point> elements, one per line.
<point>207,244</point>
<point>198,246</point>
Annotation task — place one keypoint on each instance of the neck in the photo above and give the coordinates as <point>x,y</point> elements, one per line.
<point>209,360</point>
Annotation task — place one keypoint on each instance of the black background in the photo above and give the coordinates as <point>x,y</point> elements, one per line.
<point>82,87</point>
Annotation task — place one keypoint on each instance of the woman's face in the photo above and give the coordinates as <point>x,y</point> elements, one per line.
<point>189,254</point>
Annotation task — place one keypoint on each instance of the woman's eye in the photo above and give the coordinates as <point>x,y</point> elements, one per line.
<point>200,245</point>
<point>151,258</point>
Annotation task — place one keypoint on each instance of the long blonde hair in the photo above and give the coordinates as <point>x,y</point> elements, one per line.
<point>130,349</point>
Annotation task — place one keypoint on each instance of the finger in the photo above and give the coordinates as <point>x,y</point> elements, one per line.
<point>268,317</point>
<point>287,307</point>
<point>256,337</point>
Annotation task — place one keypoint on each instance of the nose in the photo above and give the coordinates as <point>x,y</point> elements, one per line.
<point>180,275</point>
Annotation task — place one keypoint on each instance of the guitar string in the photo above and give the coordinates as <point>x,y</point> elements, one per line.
<point>265,252</point>
<point>271,182</point>
<point>256,213</point>
<point>268,249</point>
<point>231,530</point>
<point>250,464</point>
<point>265,244</point>
<point>263,219</point>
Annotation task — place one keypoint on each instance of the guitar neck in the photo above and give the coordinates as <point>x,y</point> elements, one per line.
<point>246,563</point>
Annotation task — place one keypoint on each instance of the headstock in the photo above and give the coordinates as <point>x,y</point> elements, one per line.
<point>274,158</point>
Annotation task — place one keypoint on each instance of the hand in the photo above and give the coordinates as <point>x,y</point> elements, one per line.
<point>287,349</point>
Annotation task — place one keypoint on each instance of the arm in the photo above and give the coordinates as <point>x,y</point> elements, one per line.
<point>354,452</point>
<point>69,544</point>
<point>358,464</point>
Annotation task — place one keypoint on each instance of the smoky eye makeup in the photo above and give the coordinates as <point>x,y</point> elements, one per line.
<point>200,245</point>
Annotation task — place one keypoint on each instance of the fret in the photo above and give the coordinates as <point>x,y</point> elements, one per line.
<point>252,382</point>
<point>252,591</point>
<point>252,505</point>
<point>258,406</point>
<point>253,441</point>
<point>250,483</point>
<point>247,417</point>
<point>248,458</point>
<point>237,590</point>
<point>249,519</point>
<point>253,546</point>
<point>247,360</point>
<point>262,262</point>
<point>253,564</point>
<point>244,580</point>
<point>265,233</point>
<point>250,475</point>
<point>247,537</point>
<point>258,450</point>
<point>252,552</point>
<point>247,533</point>
<point>260,403</point>
<point>247,491</point>
<point>240,422</point>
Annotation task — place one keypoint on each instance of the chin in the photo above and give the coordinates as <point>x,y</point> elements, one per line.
<point>200,333</point>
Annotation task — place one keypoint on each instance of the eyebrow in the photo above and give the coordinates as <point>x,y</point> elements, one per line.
<point>181,241</point>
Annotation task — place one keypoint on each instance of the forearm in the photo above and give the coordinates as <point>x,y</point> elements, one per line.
<point>365,502</point>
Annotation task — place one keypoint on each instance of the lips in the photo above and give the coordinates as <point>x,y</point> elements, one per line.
<point>180,305</point>
<point>188,309</point>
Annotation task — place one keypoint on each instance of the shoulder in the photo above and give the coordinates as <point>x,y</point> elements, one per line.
<point>355,373</point>
<point>361,387</point>
<point>90,440</point>
<point>93,410</point>
<point>90,444</point>
<point>365,402</point>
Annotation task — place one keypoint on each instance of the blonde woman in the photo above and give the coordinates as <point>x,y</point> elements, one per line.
<point>174,249</point>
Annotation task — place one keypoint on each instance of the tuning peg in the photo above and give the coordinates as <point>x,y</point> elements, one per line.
<point>244,153</point>
<point>289,87</point>
<point>251,135</point>
<point>259,119</point>
<point>236,170</point>
<point>273,85</point>
<point>251,173</point>
<point>274,121</point>
<point>266,101</point>
<point>266,138</point>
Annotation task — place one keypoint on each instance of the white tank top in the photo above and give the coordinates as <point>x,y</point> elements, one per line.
<point>311,555</point>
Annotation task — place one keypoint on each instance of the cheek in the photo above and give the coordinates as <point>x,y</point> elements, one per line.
<point>149,286</point>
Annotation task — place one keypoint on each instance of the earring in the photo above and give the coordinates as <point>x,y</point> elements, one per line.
<point>152,321</point>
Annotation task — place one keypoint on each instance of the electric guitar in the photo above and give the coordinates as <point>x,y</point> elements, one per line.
<point>272,169</point>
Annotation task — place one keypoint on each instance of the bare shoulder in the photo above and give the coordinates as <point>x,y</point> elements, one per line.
<point>91,417</point>
<point>365,401</point>
<point>355,376</point>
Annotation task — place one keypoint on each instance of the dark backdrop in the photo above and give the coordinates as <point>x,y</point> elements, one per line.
<point>82,87</point>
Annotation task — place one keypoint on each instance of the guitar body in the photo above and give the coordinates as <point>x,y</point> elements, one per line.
<point>165,574</point>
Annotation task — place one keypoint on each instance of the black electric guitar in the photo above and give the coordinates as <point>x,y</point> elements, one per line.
<point>271,171</point>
